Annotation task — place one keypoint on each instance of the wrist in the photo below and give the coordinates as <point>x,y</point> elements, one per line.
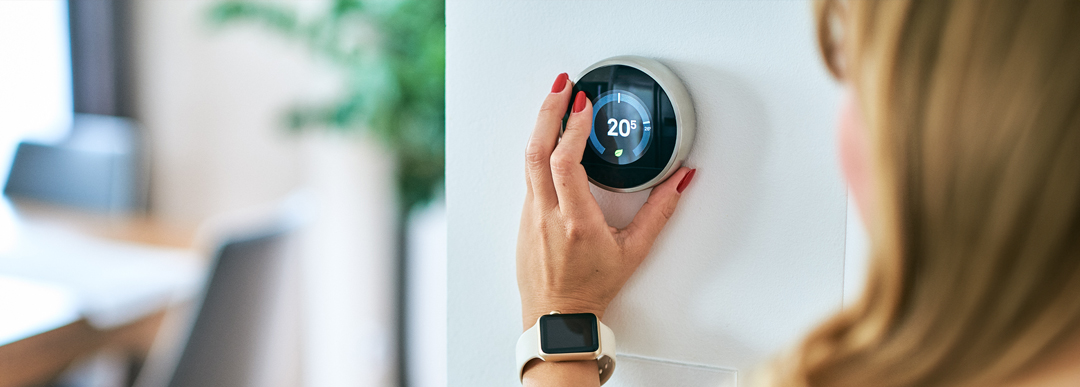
<point>529,315</point>
<point>542,373</point>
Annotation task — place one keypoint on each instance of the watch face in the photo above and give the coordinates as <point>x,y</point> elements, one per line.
<point>569,333</point>
<point>634,132</point>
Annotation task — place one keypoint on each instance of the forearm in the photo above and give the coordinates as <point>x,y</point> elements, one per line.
<point>568,373</point>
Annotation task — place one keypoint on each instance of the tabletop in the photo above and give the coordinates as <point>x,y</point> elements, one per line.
<point>72,283</point>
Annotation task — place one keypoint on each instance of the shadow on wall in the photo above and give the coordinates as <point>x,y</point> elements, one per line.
<point>727,192</point>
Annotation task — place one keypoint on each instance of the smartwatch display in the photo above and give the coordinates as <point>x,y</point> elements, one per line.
<point>569,333</point>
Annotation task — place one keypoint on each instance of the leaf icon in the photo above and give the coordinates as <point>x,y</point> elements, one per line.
<point>618,152</point>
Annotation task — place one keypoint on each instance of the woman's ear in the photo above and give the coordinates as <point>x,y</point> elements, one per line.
<point>854,148</point>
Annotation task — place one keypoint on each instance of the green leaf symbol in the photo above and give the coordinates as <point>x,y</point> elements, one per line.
<point>618,153</point>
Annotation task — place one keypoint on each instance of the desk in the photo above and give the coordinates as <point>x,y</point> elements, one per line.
<point>47,350</point>
<point>39,358</point>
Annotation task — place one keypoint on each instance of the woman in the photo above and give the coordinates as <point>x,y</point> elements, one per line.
<point>960,141</point>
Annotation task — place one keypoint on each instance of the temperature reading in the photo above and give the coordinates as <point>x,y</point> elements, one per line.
<point>628,127</point>
<point>620,127</point>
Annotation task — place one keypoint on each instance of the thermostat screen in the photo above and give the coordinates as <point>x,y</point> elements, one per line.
<point>634,131</point>
<point>622,127</point>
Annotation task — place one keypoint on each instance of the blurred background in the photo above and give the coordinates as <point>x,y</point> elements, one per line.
<point>222,193</point>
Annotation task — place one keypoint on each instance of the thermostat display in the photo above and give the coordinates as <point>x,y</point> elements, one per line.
<point>622,127</point>
<point>643,123</point>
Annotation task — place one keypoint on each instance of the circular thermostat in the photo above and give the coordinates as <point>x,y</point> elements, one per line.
<point>643,123</point>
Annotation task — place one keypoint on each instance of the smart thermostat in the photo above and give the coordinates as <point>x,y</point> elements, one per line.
<point>643,123</point>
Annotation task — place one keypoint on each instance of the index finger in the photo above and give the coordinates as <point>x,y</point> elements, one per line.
<point>570,178</point>
<point>543,140</point>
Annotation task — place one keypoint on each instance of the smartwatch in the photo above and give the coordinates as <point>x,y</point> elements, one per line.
<point>568,337</point>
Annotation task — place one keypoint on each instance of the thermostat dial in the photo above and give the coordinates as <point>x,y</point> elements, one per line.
<point>643,123</point>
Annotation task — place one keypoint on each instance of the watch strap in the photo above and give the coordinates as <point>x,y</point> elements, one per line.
<point>606,361</point>
<point>528,348</point>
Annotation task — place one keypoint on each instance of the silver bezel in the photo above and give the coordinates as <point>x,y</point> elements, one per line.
<point>685,119</point>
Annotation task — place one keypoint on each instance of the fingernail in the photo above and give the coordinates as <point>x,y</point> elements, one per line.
<point>560,83</point>
<point>579,102</point>
<point>686,180</point>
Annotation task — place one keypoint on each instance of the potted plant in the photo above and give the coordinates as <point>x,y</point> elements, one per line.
<point>391,55</point>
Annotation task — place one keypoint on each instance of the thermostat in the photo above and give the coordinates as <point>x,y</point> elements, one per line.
<point>643,123</point>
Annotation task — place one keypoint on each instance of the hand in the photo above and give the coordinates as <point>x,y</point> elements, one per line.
<point>568,258</point>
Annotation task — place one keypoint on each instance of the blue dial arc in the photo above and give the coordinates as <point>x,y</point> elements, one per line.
<point>620,96</point>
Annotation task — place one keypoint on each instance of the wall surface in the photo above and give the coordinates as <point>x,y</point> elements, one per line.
<point>753,257</point>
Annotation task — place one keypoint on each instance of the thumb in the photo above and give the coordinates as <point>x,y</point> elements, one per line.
<point>652,216</point>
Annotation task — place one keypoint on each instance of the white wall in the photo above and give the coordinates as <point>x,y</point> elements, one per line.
<point>755,254</point>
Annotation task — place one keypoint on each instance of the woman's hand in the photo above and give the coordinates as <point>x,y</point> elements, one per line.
<point>568,258</point>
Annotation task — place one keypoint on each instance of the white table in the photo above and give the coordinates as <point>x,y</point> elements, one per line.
<point>73,283</point>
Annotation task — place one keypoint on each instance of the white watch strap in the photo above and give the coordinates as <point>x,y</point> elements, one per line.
<point>528,348</point>
<point>606,361</point>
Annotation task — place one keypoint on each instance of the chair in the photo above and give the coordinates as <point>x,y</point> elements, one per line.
<point>96,167</point>
<point>245,330</point>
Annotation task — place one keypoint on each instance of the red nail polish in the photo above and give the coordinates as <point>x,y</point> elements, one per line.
<point>686,180</point>
<point>579,102</point>
<point>560,83</point>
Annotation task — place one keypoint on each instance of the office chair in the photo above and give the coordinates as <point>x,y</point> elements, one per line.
<point>240,333</point>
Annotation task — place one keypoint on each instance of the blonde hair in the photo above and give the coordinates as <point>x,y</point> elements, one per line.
<point>973,113</point>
